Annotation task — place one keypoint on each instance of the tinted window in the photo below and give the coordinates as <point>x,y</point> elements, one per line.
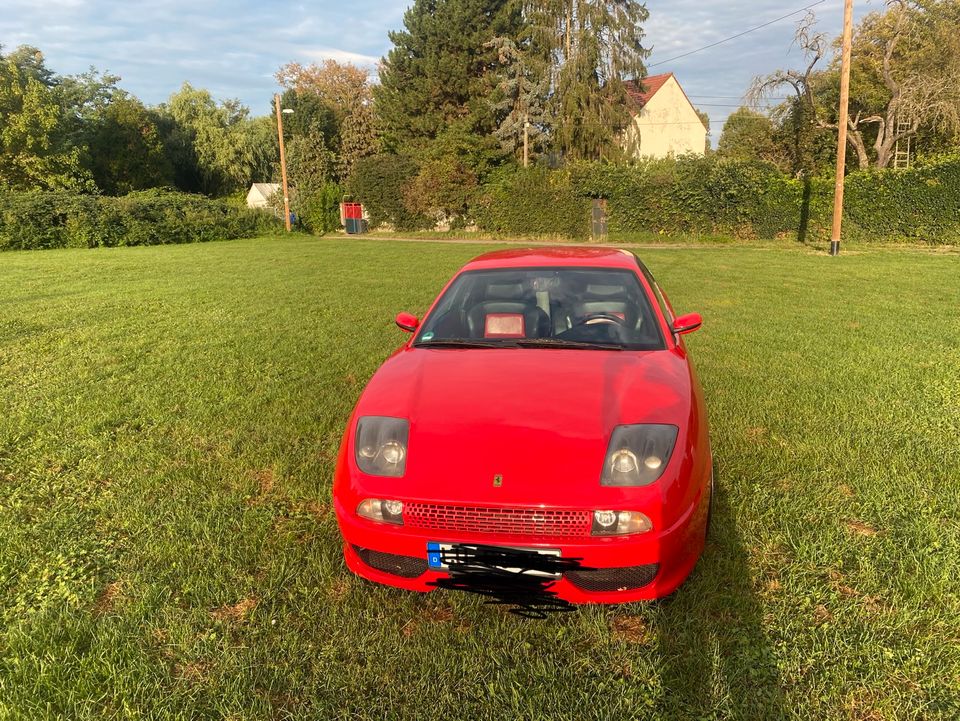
<point>545,308</point>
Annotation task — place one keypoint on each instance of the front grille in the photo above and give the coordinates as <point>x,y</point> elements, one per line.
<point>613,579</point>
<point>405,566</point>
<point>547,523</point>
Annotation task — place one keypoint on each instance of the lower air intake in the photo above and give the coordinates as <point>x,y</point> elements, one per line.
<point>404,566</point>
<point>613,579</point>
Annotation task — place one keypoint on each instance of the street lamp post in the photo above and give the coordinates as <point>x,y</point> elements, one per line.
<point>283,161</point>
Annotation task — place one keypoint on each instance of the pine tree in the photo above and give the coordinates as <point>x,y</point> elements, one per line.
<point>593,47</point>
<point>521,99</point>
<point>439,70</point>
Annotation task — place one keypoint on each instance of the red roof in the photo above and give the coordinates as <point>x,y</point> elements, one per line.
<point>651,84</point>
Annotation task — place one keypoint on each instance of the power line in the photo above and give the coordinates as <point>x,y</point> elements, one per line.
<point>738,35</point>
<point>737,97</point>
<point>612,126</point>
<point>752,106</point>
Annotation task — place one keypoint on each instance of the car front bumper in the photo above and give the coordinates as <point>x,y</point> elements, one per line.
<point>627,568</point>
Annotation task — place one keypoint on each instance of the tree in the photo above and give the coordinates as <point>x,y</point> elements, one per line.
<point>905,79</point>
<point>747,135</point>
<point>439,70</point>
<point>592,48</point>
<point>379,182</point>
<point>126,152</point>
<point>260,146</point>
<point>907,69</point>
<point>799,131</point>
<point>31,63</point>
<point>520,101</point>
<point>310,113</point>
<point>446,182</point>
<point>310,163</point>
<point>345,89</point>
<point>311,169</point>
<point>705,119</point>
<point>205,142</point>
<point>33,152</point>
<point>442,190</point>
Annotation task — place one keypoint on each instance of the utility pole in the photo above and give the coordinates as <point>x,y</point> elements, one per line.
<point>526,143</point>
<point>842,125</point>
<point>283,164</point>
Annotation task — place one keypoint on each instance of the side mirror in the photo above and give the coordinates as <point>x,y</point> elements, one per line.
<point>408,322</point>
<point>686,323</point>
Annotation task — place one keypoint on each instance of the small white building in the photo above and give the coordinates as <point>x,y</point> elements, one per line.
<point>261,193</point>
<point>664,120</point>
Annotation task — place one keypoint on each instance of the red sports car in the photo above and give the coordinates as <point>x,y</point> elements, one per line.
<point>543,421</point>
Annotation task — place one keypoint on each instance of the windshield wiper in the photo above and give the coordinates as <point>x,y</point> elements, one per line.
<point>557,343</point>
<point>460,343</point>
<point>561,343</point>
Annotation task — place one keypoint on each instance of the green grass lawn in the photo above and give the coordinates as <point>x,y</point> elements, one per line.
<point>169,419</point>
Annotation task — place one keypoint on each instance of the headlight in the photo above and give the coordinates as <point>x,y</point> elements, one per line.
<point>382,511</point>
<point>619,523</point>
<point>638,454</point>
<point>381,445</point>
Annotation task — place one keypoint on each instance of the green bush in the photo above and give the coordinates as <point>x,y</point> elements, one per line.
<point>317,209</point>
<point>532,201</point>
<point>444,189</point>
<point>380,182</point>
<point>64,219</point>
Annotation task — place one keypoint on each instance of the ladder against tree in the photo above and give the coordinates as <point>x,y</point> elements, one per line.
<point>904,146</point>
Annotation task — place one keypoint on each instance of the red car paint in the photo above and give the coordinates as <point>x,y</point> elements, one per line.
<point>521,428</point>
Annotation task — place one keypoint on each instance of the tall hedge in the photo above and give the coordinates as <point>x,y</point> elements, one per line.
<point>919,204</point>
<point>64,219</point>
<point>697,195</point>
<point>694,195</point>
<point>532,201</point>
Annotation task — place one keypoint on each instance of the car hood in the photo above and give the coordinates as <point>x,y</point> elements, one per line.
<point>540,418</point>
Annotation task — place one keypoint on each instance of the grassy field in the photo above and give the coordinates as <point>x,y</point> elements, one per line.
<point>169,418</point>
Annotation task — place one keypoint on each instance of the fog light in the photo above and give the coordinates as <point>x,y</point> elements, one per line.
<point>381,511</point>
<point>619,523</point>
<point>393,508</point>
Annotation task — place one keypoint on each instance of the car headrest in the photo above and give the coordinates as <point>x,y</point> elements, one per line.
<point>603,291</point>
<point>504,291</point>
<point>504,325</point>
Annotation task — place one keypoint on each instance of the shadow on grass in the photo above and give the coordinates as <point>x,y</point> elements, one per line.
<point>718,662</point>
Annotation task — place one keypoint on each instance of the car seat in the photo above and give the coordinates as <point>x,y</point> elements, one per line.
<point>506,313</point>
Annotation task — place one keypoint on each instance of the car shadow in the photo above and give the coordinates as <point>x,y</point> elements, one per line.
<point>718,660</point>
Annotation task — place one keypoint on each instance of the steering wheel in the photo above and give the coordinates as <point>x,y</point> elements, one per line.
<point>594,318</point>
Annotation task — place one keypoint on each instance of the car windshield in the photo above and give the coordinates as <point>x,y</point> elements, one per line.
<point>577,308</point>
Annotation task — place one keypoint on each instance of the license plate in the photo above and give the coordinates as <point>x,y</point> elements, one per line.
<point>440,555</point>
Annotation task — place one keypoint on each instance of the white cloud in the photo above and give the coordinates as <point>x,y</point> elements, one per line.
<point>233,47</point>
<point>341,56</point>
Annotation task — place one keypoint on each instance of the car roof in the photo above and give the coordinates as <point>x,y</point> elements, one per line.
<point>565,255</point>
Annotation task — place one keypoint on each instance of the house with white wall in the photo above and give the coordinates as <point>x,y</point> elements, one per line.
<point>260,195</point>
<point>664,120</point>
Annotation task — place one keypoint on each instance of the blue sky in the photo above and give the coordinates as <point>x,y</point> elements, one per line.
<point>234,48</point>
